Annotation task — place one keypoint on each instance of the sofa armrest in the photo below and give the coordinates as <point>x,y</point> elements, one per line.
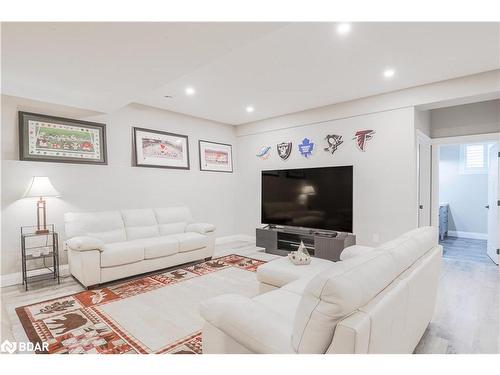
<point>249,323</point>
<point>85,243</point>
<point>354,251</point>
<point>202,228</point>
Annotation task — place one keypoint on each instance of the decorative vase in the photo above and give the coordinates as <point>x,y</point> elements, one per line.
<point>301,256</point>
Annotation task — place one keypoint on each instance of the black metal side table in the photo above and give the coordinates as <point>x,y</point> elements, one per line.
<point>40,248</point>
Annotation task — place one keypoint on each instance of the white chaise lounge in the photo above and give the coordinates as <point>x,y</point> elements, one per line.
<point>379,301</point>
<point>110,245</point>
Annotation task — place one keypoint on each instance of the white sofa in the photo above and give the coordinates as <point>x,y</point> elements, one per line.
<point>379,301</point>
<point>110,245</point>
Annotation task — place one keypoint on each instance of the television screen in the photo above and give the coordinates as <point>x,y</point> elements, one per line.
<point>317,198</point>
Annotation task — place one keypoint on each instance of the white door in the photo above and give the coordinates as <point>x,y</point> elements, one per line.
<point>493,197</point>
<point>424,180</point>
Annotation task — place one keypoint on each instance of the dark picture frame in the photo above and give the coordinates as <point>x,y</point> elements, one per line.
<point>223,147</point>
<point>159,145</point>
<point>46,138</point>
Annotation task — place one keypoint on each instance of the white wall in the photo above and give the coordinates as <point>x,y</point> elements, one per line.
<point>210,195</point>
<point>423,121</point>
<point>466,119</point>
<point>467,194</point>
<point>384,176</point>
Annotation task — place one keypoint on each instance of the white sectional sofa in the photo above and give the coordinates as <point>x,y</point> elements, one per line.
<point>379,301</point>
<point>110,245</point>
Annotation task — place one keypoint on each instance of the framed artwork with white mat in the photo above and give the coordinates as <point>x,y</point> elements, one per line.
<point>158,149</point>
<point>62,140</point>
<point>215,157</point>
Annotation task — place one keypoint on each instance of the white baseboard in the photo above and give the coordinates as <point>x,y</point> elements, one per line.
<point>233,238</point>
<point>17,278</point>
<point>472,235</point>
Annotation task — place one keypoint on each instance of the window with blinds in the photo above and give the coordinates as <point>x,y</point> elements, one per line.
<point>473,158</point>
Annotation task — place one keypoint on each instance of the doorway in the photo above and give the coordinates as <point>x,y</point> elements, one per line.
<point>467,198</point>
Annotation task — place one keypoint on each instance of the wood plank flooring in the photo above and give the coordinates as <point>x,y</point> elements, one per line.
<point>465,249</point>
<point>467,316</point>
<point>466,319</point>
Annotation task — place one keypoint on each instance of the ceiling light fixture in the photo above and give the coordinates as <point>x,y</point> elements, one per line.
<point>389,73</point>
<point>250,109</point>
<point>343,28</point>
<point>190,91</point>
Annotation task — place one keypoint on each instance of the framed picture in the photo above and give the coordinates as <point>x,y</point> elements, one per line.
<point>56,139</point>
<point>215,157</point>
<point>157,149</point>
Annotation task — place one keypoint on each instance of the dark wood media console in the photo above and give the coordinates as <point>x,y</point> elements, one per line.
<point>319,243</point>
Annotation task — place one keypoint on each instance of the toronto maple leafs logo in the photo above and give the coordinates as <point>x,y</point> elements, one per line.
<point>284,149</point>
<point>333,141</point>
<point>363,136</point>
<point>306,147</point>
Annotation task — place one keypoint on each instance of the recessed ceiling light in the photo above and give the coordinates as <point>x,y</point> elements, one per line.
<point>343,28</point>
<point>389,73</point>
<point>250,109</point>
<point>190,91</point>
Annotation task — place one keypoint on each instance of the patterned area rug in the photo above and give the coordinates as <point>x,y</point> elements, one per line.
<point>152,314</point>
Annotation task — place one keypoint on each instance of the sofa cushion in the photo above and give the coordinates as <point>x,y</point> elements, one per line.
<point>118,253</point>
<point>202,228</point>
<point>172,220</point>
<point>109,236</point>
<point>282,302</point>
<point>354,251</point>
<point>298,286</point>
<point>191,241</point>
<point>410,246</point>
<point>106,225</point>
<point>140,223</point>
<point>281,271</point>
<point>134,233</point>
<point>173,228</point>
<point>157,247</point>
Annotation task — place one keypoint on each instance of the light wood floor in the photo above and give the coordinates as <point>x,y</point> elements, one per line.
<point>467,317</point>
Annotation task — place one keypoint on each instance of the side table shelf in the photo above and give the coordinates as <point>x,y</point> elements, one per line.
<point>42,250</point>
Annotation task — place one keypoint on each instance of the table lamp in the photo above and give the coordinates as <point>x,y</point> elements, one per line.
<point>308,190</point>
<point>41,187</point>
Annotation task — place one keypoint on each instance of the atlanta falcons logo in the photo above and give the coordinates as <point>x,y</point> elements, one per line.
<point>363,136</point>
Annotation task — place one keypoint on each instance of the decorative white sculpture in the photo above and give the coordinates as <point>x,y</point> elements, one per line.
<point>301,256</point>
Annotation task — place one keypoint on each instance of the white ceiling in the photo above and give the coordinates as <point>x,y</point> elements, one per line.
<point>276,68</point>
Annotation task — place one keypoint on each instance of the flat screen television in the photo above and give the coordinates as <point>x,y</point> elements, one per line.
<point>316,198</point>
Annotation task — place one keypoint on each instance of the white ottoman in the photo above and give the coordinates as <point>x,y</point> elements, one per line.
<point>281,271</point>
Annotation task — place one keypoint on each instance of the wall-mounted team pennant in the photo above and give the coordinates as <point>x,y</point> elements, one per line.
<point>362,137</point>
